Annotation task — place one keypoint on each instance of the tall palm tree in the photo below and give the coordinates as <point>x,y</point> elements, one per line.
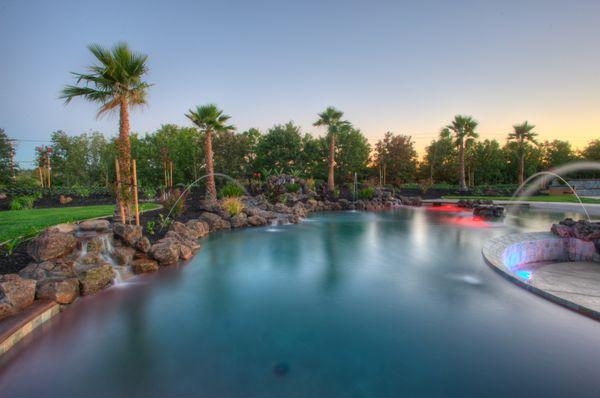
<point>114,82</point>
<point>332,118</point>
<point>462,129</point>
<point>523,135</point>
<point>209,120</point>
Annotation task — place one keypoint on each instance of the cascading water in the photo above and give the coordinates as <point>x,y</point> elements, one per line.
<point>103,249</point>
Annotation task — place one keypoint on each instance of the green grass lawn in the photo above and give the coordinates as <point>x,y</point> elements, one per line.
<point>554,199</point>
<point>15,223</point>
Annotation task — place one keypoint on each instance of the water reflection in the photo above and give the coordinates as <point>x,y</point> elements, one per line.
<point>377,304</point>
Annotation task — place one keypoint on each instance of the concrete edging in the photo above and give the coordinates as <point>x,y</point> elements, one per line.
<point>510,253</point>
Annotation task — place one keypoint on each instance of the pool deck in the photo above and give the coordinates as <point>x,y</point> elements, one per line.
<point>576,282</point>
<point>572,284</point>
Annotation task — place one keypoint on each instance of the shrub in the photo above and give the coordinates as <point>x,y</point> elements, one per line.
<point>148,192</point>
<point>173,204</point>
<point>366,193</point>
<point>81,191</point>
<point>310,183</point>
<point>233,206</point>
<point>293,188</point>
<point>231,190</point>
<point>23,202</point>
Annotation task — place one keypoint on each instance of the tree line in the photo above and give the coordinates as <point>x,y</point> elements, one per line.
<point>210,144</point>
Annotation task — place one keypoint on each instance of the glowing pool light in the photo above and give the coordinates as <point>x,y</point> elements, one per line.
<point>446,208</point>
<point>471,222</point>
<point>525,275</point>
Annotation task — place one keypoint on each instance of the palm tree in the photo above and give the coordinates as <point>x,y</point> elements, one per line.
<point>114,82</point>
<point>332,118</point>
<point>463,130</point>
<point>522,134</point>
<point>209,120</point>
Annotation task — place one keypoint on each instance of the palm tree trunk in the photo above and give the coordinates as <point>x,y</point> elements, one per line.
<point>211,190</point>
<point>330,180</point>
<point>522,168</point>
<point>124,151</point>
<point>462,183</point>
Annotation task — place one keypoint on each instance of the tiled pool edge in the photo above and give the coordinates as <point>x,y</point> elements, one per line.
<point>31,319</point>
<point>494,252</point>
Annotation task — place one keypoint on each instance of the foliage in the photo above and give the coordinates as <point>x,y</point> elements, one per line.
<point>233,206</point>
<point>310,183</point>
<point>148,192</point>
<point>231,190</point>
<point>396,155</point>
<point>280,149</point>
<point>5,153</point>
<point>292,188</point>
<point>174,203</point>
<point>164,221</point>
<point>23,202</point>
<point>366,193</point>
<point>150,227</point>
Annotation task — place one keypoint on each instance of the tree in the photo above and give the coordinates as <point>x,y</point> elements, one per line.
<point>6,153</point>
<point>352,152</point>
<point>280,148</point>
<point>513,155</point>
<point>592,150</point>
<point>332,118</point>
<point>523,135</point>
<point>396,156</point>
<point>440,161</point>
<point>115,82</point>
<point>462,129</point>
<point>489,161</point>
<point>209,120</point>
<point>234,153</point>
<point>556,153</point>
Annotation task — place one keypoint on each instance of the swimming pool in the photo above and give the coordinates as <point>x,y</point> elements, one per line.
<point>344,304</point>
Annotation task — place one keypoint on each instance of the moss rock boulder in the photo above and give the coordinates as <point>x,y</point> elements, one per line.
<point>51,244</point>
<point>94,277</point>
<point>16,294</point>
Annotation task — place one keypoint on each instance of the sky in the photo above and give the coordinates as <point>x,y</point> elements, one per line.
<point>405,67</point>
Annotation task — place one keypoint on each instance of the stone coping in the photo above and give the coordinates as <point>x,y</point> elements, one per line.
<point>517,256</point>
<point>14,328</point>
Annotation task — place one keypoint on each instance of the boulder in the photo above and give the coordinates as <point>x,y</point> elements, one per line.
<point>16,294</point>
<point>201,227</point>
<point>215,222</point>
<point>562,230</point>
<point>192,243</point>
<point>63,291</point>
<point>165,251</point>
<point>94,277</point>
<point>94,225</point>
<point>184,231</point>
<point>129,234</point>
<point>257,221</point>
<point>63,200</point>
<point>143,244</point>
<point>51,244</point>
<point>49,270</point>
<point>144,264</point>
<point>185,252</point>
<point>124,255</point>
<point>239,221</point>
<point>65,228</point>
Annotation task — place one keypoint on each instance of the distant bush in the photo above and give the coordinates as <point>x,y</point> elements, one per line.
<point>292,188</point>
<point>231,190</point>
<point>81,191</point>
<point>148,192</point>
<point>23,202</point>
<point>366,193</point>
<point>233,206</point>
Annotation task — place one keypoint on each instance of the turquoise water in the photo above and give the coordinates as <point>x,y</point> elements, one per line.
<point>343,305</point>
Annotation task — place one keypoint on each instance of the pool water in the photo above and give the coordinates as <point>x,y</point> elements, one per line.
<point>345,304</point>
